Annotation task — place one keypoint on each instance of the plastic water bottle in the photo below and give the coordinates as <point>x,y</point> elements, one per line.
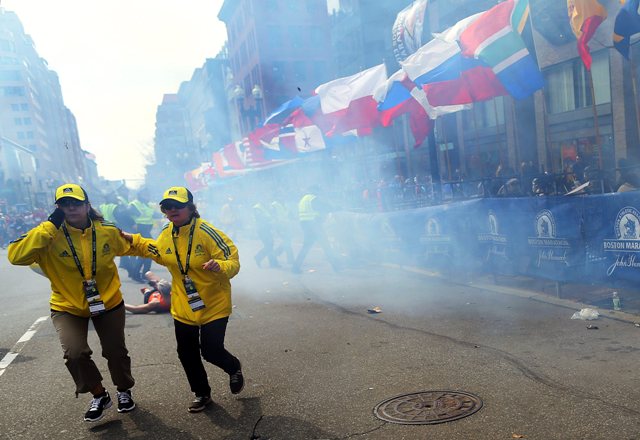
<point>616,301</point>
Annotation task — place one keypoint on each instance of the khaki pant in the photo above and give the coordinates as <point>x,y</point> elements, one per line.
<point>72,331</point>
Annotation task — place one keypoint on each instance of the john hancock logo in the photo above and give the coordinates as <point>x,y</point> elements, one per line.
<point>626,245</point>
<point>199,249</point>
<point>496,241</point>
<point>550,247</point>
<point>436,243</point>
<point>106,249</point>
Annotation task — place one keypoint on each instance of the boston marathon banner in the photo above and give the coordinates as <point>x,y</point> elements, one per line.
<point>613,245</point>
<point>584,239</point>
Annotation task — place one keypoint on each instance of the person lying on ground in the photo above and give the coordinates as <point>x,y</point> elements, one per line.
<point>157,297</point>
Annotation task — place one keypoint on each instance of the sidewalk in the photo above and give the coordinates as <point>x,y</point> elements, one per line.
<point>571,296</point>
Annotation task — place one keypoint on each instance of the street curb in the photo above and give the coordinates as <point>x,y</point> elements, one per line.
<point>522,293</point>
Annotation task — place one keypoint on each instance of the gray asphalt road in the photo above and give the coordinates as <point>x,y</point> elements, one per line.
<point>317,363</point>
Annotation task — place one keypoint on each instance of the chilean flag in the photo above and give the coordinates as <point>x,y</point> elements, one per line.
<point>348,104</point>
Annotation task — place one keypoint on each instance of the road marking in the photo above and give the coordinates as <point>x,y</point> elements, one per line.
<point>15,351</point>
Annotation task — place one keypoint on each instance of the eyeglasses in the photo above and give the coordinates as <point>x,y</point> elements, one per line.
<point>66,203</point>
<point>167,206</point>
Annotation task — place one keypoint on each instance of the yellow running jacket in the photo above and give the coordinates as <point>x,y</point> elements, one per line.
<point>214,287</point>
<point>48,247</point>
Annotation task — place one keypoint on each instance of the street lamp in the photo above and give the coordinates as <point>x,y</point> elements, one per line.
<point>258,96</point>
<point>238,97</point>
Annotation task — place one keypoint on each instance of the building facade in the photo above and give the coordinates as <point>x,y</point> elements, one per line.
<point>39,142</point>
<point>277,49</point>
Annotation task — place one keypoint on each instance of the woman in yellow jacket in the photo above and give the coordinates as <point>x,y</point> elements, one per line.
<point>75,248</point>
<point>202,260</point>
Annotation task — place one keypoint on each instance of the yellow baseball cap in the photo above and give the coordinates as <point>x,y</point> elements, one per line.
<point>178,193</point>
<point>71,190</point>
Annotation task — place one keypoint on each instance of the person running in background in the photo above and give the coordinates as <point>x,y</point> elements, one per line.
<point>263,223</point>
<point>75,248</point>
<point>282,226</point>
<point>312,211</point>
<point>156,297</point>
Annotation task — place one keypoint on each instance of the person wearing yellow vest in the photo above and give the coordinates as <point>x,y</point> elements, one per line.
<point>263,223</point>
<point>202,261</point>
<point>143,216</point>
<point>75,248</point>
<point>282,226</point>
<point>311,212</point>
<point>107,209</point>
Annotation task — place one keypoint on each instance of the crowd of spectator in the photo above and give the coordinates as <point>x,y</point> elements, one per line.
<point>578,177</point>
<point>14,223</point>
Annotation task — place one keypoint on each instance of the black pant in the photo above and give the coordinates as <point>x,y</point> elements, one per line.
<point>312,233</point>
<point>267,248</point>
<point>207,339</point>
<point>140,266</point>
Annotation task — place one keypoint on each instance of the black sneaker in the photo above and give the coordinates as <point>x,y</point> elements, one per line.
<point>98,405</point>
<point>199,404</point>
<point>125,402</point>
<point>236,381</point>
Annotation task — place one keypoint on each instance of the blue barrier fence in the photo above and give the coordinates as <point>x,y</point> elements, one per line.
<point>586,239</point>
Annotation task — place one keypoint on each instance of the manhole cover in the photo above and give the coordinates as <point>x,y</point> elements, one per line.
<point>428,407</point>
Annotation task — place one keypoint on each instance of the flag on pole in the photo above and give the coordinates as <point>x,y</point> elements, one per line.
<point>494,38</point>
<point>282,112</point>
<point>348,104</point>
<point>627,24</point>
<point>407,29</point>
<point>585,16</point>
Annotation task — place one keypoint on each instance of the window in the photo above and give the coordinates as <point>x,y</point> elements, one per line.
<point>15,107</point>
<point>296,36</point>
<point>24,107</point>
<point>17,121</point>
<point>272,5</point>
<point>300,71</point>
<point>20,135</point>
<point>12,91</point>
<point>11,61</point>
<point>10,75</point>
<point>26,121</point>
<point>274,37</point>
<point>316,37</point>
<point>486,114</point>
<point>568,86</point>
<point>278,69</point>
<point>7,46</point>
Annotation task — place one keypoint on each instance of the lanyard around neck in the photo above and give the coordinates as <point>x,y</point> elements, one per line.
<point>185,269</point>
<point>75,254</point>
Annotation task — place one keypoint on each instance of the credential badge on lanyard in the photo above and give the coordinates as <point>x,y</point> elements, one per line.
<point>193,297</point>
<point>96,306</point>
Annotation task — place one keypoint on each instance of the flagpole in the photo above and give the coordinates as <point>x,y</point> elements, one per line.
<point>547,139</point>
<point>595,118</point>
<point>475,128</point>
<point>443,128</point>
<point>516,144</point>
<point>498,137</point>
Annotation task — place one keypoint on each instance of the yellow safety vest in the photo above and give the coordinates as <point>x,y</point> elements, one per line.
<point>306,212</point>
<point>146,213</point>
<point>106,209</point>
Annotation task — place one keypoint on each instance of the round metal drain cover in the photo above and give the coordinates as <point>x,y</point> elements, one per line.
<point>428,407</point>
